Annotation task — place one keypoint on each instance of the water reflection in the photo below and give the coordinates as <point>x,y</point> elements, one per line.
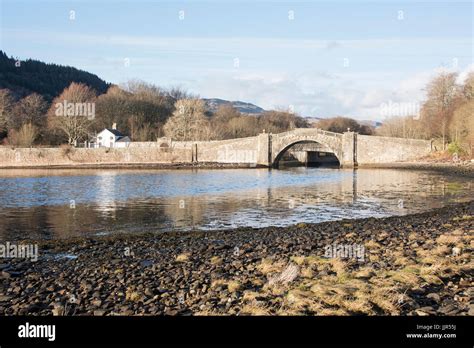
<point>37,203</point>
<point>107,193</point>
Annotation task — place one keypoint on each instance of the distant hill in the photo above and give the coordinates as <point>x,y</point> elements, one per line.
<point>246,108</point>
<point>312,119</point>
<point>370,123</point>
<point>49,80</point>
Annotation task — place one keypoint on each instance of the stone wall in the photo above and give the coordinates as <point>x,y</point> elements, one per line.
<point>243,150</point>
<point>26,157</point>
<point>373,149</point>
<point>263,149</point>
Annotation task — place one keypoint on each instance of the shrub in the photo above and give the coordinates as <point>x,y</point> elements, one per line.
<point>24,137</point>
<point>455,147</point>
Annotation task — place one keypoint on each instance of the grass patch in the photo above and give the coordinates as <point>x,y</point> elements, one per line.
<point>183,257</point>
<point>331,286</point>
<point>216,260</point>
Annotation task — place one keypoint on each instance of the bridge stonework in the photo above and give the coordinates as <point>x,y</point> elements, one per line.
<point>351,149</point>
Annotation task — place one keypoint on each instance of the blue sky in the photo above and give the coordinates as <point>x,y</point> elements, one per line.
<point>320,58</point>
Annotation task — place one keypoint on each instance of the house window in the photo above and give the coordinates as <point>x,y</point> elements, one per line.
<point>100,138</point>
<point>100,144</point>
<point>111,138</point>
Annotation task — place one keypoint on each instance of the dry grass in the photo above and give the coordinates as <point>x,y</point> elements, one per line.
<point>463,218</point>
<point>216,260</point>
<point>132,295</point>
<point>254,308</point>
<point>413,236</point>
<point>183,257</point>
<point>446,239</point>
<point>268,266</point>
<point>232,285</point>
<point>406,276</point>
<point>301,300</point>
<point>371,245</point>
<point>364,273</point>
<point>341,287</point>
<point>249,295</point>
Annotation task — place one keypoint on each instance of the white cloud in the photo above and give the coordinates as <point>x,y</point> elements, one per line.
<point>463,74</point>
<point>275,72</point>
<point>323,97</point>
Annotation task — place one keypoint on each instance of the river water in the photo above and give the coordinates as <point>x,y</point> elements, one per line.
<point>50,204</point>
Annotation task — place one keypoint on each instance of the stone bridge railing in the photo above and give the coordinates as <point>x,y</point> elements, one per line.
<point>265,149</point>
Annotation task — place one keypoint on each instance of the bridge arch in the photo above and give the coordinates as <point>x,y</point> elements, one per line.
<point>331,142</point>
<point>321,148</point>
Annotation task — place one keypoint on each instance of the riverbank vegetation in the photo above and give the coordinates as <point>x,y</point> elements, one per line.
<point>447,115</point>
<point>143,111</point>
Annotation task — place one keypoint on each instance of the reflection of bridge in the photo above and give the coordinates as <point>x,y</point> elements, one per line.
<point>267,149</point>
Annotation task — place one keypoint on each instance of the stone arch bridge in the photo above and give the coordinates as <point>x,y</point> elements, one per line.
<point>351,149</point>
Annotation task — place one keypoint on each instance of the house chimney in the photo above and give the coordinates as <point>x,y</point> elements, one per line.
<point>114,125</point>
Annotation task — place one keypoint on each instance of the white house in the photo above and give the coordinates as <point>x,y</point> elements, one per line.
<point>111,137</point>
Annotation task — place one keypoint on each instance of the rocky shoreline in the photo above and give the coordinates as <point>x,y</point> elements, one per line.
<point>417,264</point>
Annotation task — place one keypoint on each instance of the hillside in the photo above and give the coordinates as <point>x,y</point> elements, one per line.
<point>243,107</point>
<point>49,80</point>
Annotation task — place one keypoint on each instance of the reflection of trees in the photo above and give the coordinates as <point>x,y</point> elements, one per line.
<point>27,223</point>
<point>110,212</point>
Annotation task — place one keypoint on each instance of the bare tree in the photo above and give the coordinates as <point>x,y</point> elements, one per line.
<point>462,125</point>
<point>188,121</point>
<point>143,133</point>
<point>243,126</point>
<point>437,111</point>
<point>132,106</point>
<point>31,109</point>
<point>403,127</point>
<point>178,93</point>
<point>73,124</point>
<point>280,121</point>
<point>220,121</point>
<point>341,124</point>
<point>468,88</point>
<point>23,137</point>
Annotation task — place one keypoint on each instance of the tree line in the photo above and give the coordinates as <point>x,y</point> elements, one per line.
<point>143,111</point>
<point>146,112</point>
<point>447,114</point>
<point>23,77</point>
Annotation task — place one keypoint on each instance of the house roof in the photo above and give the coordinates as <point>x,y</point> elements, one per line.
<point>123,139</point>
<point>115,132</point>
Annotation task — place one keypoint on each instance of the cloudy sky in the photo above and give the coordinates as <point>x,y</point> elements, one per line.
<point>320,58</point>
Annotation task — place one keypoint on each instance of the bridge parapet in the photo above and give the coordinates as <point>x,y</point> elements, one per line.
<point>266,149</point>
